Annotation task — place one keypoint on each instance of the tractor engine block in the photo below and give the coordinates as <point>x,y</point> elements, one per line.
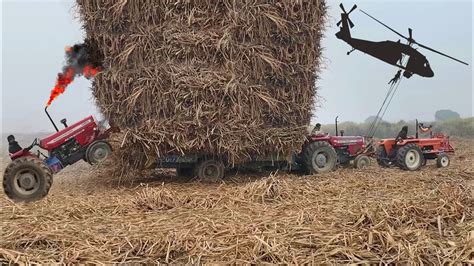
<point>70,152</point>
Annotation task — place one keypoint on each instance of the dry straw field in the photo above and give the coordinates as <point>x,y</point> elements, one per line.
<point>348,216</point>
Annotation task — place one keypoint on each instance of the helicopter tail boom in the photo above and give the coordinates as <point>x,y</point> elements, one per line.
<point>344,31</point>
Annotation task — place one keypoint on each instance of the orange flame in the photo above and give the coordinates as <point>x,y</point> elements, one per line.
<point>64,79</point>
<point>90,71</point>
<point>62,82</point>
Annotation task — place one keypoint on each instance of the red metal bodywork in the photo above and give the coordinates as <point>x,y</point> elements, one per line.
<point>434,145</point>
<point>84,131</point>
<point>355,144</point>
<point>21,153</point>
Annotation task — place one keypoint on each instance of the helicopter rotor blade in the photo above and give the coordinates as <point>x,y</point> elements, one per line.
<point>352,9</point>
<point>411,40</point>
<point>396,32</point>
<point>342,7</point>
<point>443,54</point>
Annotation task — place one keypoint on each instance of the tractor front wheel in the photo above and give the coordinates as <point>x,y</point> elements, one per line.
<point>98,152</point>
<point>410,157</point>
<point>319,157</point>
<point>27,179</point>
<point>209,170</point>
<point>361,161</point>
<point>442,161</point>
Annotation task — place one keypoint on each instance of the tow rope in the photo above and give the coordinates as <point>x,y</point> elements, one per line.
<point>383,108</point>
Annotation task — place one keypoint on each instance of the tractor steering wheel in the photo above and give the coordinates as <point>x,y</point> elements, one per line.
<point>35,143</point>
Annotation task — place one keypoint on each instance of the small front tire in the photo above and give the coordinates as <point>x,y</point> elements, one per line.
<point>361,161</point>
<point>98,152</point>
<point>442,161</point>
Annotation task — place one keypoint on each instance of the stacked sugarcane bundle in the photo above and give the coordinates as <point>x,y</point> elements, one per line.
<point>234,78</point>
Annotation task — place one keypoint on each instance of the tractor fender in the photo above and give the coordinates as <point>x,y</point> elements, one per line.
<point>21,153</point>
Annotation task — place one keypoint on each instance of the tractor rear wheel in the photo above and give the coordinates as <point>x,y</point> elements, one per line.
<point>442,161</point>
<point>27,179</point>
<point>319,157</point>
<point>382,158</point>
<point>98,152</point>
<point>361,161</point>
<point>209,170</point>
<point>410,157</point>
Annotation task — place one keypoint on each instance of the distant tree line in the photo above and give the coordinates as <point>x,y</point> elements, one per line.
<point>460,127</point>
<point>445,115</point>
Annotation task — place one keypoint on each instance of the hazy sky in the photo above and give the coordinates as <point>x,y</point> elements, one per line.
<point>34,34</point>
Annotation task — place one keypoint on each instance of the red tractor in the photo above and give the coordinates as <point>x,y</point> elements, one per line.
<point>342,149</point>
<point>412,153</point>
<point>325,152</point>
<point>29,176</point>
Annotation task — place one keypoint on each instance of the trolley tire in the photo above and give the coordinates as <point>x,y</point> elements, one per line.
<point>186,172</point>
<point>209,170</point>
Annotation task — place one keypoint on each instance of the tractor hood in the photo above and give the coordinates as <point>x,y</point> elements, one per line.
<point>347,140</point>
<point>82,129</point>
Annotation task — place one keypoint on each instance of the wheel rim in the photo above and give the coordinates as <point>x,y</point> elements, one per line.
<point>26,182</point>
<point>444,161</point>
<point>99,154</point>
<point>412,159</point>
<point>211,171</point>
<point>320,160</point>
<point>363,163</point>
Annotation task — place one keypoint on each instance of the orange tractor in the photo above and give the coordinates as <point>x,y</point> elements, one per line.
<point>411,153</point>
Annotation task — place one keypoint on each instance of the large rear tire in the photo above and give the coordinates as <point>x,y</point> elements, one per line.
<point>382,158</point>
<point>27,179</point>
<point>319,157</point>
<point>410,157</point>
<point>209,170</point>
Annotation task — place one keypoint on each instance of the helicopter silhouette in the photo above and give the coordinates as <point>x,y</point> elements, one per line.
<point>389,51</point>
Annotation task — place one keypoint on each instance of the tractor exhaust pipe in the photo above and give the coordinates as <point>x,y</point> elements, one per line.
<point>335,122</point>
<point>50,119</point>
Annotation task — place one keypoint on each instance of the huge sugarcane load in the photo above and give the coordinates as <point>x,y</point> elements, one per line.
<point>233,79</point>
